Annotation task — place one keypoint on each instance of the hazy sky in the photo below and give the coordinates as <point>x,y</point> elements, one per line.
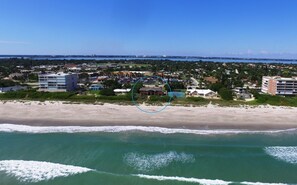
<point>240,28</point>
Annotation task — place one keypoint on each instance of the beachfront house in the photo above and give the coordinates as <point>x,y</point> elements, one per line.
<point>146,91</point>
<point>194,91</point>
<point>121,91</point>
<point>243,94</point>
<point>12,88</point>
<point>58,82</point>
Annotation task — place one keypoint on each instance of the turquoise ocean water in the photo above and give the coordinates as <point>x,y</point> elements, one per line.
<point>117,156</point>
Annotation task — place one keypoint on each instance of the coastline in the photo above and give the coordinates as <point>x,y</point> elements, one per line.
<point>204,117</point>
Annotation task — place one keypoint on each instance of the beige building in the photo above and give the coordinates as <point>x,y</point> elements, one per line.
<point>276,85</point>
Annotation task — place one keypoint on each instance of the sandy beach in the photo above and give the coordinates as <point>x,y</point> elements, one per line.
<point>206,117</point>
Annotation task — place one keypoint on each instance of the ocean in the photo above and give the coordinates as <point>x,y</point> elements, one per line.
<point>145,155</point>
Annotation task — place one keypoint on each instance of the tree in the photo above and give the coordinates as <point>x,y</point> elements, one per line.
<point>127,86</point>
<point>255,93</point>
<point>176,85</point>
<point>168,88</point>
<point>238,83</point>
<point>83,76</point>
<point>33,77</point>
<point>137,86</point>
<point>226,94</point>
<point>7,83</point>
<point>216,87</point>
<point>112,84</point>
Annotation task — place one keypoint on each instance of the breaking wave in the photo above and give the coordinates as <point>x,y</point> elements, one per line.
<point>84,129</point>
<point>201,181</point>
<point>145,163</point>
<point>287,154</point>
<point>35,171</point>
<point>261,183</point>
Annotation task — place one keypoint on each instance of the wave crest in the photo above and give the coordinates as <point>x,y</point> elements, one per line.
<point>35,171</point>
<point>201,181</point>
<point>145,163</point>
<point>287,154</point>
<point>84,129</point>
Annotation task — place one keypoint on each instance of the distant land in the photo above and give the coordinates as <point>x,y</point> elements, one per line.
<point>129,57</point>
<point>151,57</point>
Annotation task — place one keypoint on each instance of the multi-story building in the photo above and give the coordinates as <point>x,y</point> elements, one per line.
<point>57,82</point>
<point>276,85</point>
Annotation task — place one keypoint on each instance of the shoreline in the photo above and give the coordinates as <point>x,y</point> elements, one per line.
<point>204,117</point>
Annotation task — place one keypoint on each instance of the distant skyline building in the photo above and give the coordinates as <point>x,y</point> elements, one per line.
<point>58,82</point>
<point>276,85</point>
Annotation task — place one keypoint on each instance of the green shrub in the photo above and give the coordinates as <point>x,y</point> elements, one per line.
<point>195,99</point>
<point>114,98</point>
<point>36,95</point>
<point>226,94</point>
<point>155,98</point>
<point>216,87</point>
<point>107,92</point>
<point>83,97</point>
<point>276,100</point>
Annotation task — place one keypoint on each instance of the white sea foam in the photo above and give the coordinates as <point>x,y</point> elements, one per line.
<point>261,183</point>
<point>201,181</point>
<point>35,171</point>
<point>83,129</point>
<point>145,163</point>
<point>287,154</point>
<point>184,179</point>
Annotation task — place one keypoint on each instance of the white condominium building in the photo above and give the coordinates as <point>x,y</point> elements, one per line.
<point>57,82</point>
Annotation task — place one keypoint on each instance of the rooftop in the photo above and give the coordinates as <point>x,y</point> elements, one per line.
<point>121,90</point>
<point>56,74</point>
<point>281,78</point>
<point>200,91</point>
<point>151,89</point>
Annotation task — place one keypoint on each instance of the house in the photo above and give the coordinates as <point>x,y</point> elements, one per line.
<point>101,79</point>
<point>95,87</point>
<point>74,69</point>
<point>239,90</point>
<point>145,91</point>
<point>243,94</point>
<point>194,81</point>
<point>121,91</point>
<point>211,79</point>
<point>205,93</point>
<point>122,73</point>
<point>70,66</point>
<point>15,75</point>
<point>12,88</point>
<point>58,82</point>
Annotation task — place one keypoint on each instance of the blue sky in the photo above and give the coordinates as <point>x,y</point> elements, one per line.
<point>237,28</point>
